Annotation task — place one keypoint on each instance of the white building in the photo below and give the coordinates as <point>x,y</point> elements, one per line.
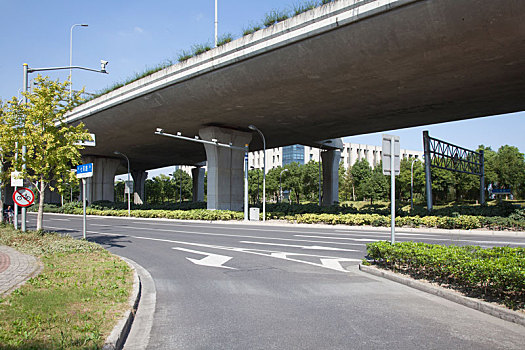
<point>352,152</point>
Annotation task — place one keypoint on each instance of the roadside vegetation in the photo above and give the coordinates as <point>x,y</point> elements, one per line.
<point>75,301</point>
<point>271,18</point>
<point>495,275</point>
<point>503,216</point>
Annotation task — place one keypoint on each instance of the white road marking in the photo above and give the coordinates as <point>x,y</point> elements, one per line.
<point>53,219</point>
<point>241,236</point>
<point>242,250</point>
<point>335,264</point>
<point>341,238</point>
<point>310,247</point>
<point>213,260</point>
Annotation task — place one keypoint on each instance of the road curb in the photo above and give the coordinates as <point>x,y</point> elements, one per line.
<point>483,306</point>
<point>117,337</point>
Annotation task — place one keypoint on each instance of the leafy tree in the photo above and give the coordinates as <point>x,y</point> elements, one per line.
<point>442,183</point>
<point>310,180</point>
<point>3,136</point>
<point>403,179</point>
<point>255,185</point>
<point>51,144</point>
<point>181,178</point>
<point>510,168</point>
<point>490,164</point>
<point>292,181</point>
<point>376,186</point>
<point>361,172</point>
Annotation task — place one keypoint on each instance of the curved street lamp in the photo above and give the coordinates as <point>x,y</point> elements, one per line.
<point>280,185</point>
<point>129,189</point>
<point>71,56</point>
<point>254,128</point>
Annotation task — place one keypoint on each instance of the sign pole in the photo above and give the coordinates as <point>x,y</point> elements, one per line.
<point>246,183</point>
<point>392,192</point>
<point>84,207</point>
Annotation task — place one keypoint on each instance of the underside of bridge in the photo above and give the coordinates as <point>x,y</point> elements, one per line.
<point>347,68</point>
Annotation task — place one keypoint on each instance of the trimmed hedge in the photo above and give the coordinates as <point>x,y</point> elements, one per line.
<point>496,274</point>
<point>464,222</point>
<point>515,222</point>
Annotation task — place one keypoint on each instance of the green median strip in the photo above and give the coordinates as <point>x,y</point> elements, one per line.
<point>495,275</point>
<point>74,303</point>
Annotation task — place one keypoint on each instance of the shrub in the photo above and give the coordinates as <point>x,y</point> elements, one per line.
<point>493,274</point>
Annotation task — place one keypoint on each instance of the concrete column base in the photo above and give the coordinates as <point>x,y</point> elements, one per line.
<point>101,186</point>
<point>331,159</point>
<point>198,184</point>
<point>225,168</point>
<point>139,182</point>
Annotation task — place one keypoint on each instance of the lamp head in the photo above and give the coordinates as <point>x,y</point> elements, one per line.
<point>252,127</point>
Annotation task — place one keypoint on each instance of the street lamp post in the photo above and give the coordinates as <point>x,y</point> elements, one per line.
<point>71,57</point>
<point>253,127</point>
<point>280,185</point>
<point>26,71</point>
<point>412,184</point>
<point>216,24</point>
<point>129,189</point>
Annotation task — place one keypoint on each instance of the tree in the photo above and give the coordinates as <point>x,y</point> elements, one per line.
<point>255,185</point>
<point>403,180</point>
<point>361,171</point>
<point>510,168</point>
<point>52,146</point>
<point>375,186</point>
<point>3,136</point>
<point>292,180</point>
<point>181,178</point>
<point>310,180</point>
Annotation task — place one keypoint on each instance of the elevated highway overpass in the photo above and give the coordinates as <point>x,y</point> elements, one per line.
<point>347,68</point>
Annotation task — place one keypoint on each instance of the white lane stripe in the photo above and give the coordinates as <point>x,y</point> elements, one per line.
<point>312,247</point>
<point>430,239</point>
<point>241,236</point>
<point>341,238</point>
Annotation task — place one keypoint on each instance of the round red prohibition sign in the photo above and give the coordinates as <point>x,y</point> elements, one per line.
<point>23,197</point>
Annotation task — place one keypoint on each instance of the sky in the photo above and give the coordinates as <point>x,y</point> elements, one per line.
<point>134,35</point>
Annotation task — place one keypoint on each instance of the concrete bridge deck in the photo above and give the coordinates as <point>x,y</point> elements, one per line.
<point>347,68</point>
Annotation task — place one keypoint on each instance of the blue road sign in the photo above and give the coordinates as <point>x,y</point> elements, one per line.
<point>501,191</point>
<point>84,170</point>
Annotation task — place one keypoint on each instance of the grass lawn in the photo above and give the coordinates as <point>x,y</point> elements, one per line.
<point>73,304</point>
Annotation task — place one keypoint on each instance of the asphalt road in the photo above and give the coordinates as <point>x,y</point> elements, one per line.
<point>254,286</point>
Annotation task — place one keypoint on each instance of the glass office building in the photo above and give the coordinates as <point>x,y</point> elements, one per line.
<point>294,153</point>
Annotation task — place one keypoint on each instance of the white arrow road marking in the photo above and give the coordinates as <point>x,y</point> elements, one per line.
<point>312,247</point>
<point>214,260</point>
<point>335,264</point>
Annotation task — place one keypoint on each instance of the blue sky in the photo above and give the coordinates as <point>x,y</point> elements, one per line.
<point>134,35</point>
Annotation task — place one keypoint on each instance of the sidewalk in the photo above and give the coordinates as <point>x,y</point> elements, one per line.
<point>15,269</point>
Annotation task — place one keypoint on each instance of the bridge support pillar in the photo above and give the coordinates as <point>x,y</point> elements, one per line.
<point>139,182</point>
<point>198,184</point>
<point>330,160</point>
<point>52,197</point>
<point>225,168</point>
<point>101,185</point>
